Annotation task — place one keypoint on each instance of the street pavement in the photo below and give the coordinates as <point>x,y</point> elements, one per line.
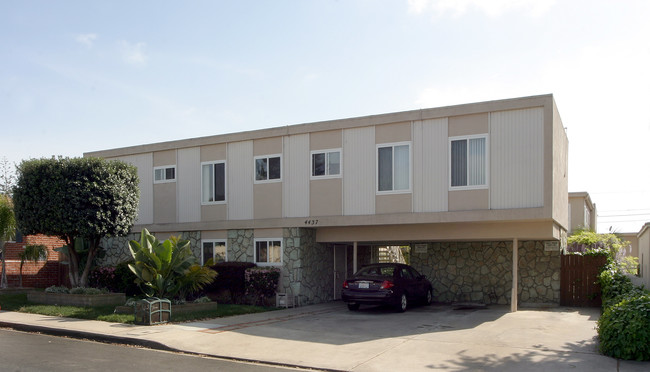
<point>329,337</point>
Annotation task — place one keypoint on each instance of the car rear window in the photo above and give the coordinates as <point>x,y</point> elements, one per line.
<point>377,271</point>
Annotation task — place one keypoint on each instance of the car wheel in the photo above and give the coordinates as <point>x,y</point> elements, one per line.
<point>403,303</point>
<point>429,297</point>
<point>353,307</point>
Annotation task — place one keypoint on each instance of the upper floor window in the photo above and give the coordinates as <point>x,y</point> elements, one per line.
<point>215,250</point>
<point>326,163</point>
<point>468,162</point>
<point>268,251</point>
<point>164,174</point>
<point>213,182</point>
<point>394,167</point>
<point>268,168</point>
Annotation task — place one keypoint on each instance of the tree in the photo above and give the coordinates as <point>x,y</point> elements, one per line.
<point>7,177</point>
<point>78,198</point>
<point>31,253</point>
<point>7,231</point>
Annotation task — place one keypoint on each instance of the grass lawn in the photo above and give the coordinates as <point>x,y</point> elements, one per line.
<point>18,302</point>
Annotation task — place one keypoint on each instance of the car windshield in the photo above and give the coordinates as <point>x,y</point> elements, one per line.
<point>376,271</point>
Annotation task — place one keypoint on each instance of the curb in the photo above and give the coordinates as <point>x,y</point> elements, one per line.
<point>145,343</point>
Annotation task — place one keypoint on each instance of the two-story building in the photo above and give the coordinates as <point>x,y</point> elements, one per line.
<point>478,191</point>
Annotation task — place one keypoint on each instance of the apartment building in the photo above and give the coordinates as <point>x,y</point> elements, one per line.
<point>477,191</point>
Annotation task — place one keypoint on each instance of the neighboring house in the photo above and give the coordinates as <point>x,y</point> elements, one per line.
<point>42,274</point>
<point>461,185</point>
<point>582,212</point>
<point>644,254</point>
<point>633,248</point>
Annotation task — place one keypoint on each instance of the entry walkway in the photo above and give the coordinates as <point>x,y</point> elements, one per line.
<point>329,337</point>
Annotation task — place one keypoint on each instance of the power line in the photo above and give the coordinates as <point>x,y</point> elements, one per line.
<point>624,215</point>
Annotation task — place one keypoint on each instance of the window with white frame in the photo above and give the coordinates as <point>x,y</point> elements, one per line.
<point>394,167</point>
<point>268,168</point>
<point>164,174</point>
<point>468,162</point>
<point>268,251</point>
<point>326,163</point>
<point>214,249</point>
<point>213,182</point>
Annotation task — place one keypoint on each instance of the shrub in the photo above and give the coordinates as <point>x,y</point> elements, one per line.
<point>86,291</point>
<point>115,279</point>
<point>261,282</point>
<point>624,328</point>
<point>57,289</point>
<point>232,277</point>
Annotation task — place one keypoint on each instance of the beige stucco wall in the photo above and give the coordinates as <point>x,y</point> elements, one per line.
<point>161,158</point>
<point>331,139</point>
<point>468,124</point>
<point>267,146</point>
<point>644,254</point>
<point>396,132</point>
<point>267,200</point>
<point>214,234</point>
<point>214,152</point>
<point>468,200</point>
<point>393,203</point>
<point>215,212</point>
<point>558,175</point>
<point>326,197</point>
<point>164,202</point>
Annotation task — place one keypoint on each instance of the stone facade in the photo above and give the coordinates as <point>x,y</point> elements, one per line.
<point>116,250</point>
<point>467,271</point>
<point>307,266</point>
<point>482,272</point>
<point>539,274</point>
<point>241,245</point>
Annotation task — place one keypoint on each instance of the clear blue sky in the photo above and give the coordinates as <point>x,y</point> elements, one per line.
<point>79,76</point>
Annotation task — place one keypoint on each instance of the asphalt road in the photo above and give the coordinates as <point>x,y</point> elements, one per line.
<point>20,351</point>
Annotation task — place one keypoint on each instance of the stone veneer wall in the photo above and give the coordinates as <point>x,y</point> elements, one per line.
<point>308,265</point>
<point>467,271</point>
<point>116,249</point>
<point>539,274</point>
<point>241,245</point>
<point>482,272</point>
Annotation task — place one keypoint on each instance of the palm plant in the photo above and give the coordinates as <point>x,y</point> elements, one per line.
<point>165,269</point>
<point>7,231</point>
<point>31,253</point>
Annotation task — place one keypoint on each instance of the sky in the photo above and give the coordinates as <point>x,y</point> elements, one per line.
<point>80,76</point>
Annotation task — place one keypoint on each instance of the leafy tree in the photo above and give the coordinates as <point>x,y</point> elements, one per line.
<point>31,253</point>
<point>7,231</point>
<point>87,198</point>
<point>169,268</point>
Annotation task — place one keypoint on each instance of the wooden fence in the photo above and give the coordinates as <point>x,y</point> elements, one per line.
<point>579,280</point>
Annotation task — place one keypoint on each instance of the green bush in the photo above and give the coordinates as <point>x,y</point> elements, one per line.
<point>231,277</point>
<point>262,282</point>
<point>624,329</point>
<point>118,279</point>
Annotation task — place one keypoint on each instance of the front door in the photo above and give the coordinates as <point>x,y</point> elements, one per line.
<point>340,269</point>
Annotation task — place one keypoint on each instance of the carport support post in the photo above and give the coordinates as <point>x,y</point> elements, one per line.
<point>515,270</point>
<point>354,257</point>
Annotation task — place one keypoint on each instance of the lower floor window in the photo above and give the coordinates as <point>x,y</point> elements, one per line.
<point>268,251</point>
<point>215,250</point>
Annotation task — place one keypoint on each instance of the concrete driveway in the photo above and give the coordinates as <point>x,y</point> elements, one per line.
<point>329,337</point>
<point>423,338</point>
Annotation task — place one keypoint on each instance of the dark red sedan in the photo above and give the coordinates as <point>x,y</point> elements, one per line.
<point>391,284</point>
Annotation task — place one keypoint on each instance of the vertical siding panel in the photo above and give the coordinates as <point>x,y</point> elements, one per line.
<point>359,171</point>
<point>430,193</point>
<point>188,184</point>
<point>144,163</point>
<point>295,182</point>
<point>240,180</point>
<point>517,159</point>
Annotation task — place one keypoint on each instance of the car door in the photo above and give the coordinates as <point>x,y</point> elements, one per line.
<point>408,282</point>
<point>419,283</point>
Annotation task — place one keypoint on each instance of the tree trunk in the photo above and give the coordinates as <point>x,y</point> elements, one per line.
<point>73,267</point>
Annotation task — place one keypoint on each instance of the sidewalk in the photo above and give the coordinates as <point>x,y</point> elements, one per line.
<point>328,337</point>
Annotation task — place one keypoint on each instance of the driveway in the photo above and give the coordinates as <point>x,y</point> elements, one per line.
<point>427,338</point>
<point>329,337</point>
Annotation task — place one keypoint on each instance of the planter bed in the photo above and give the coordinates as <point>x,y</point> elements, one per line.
<point>176,309</point>
<point>76,299</point>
